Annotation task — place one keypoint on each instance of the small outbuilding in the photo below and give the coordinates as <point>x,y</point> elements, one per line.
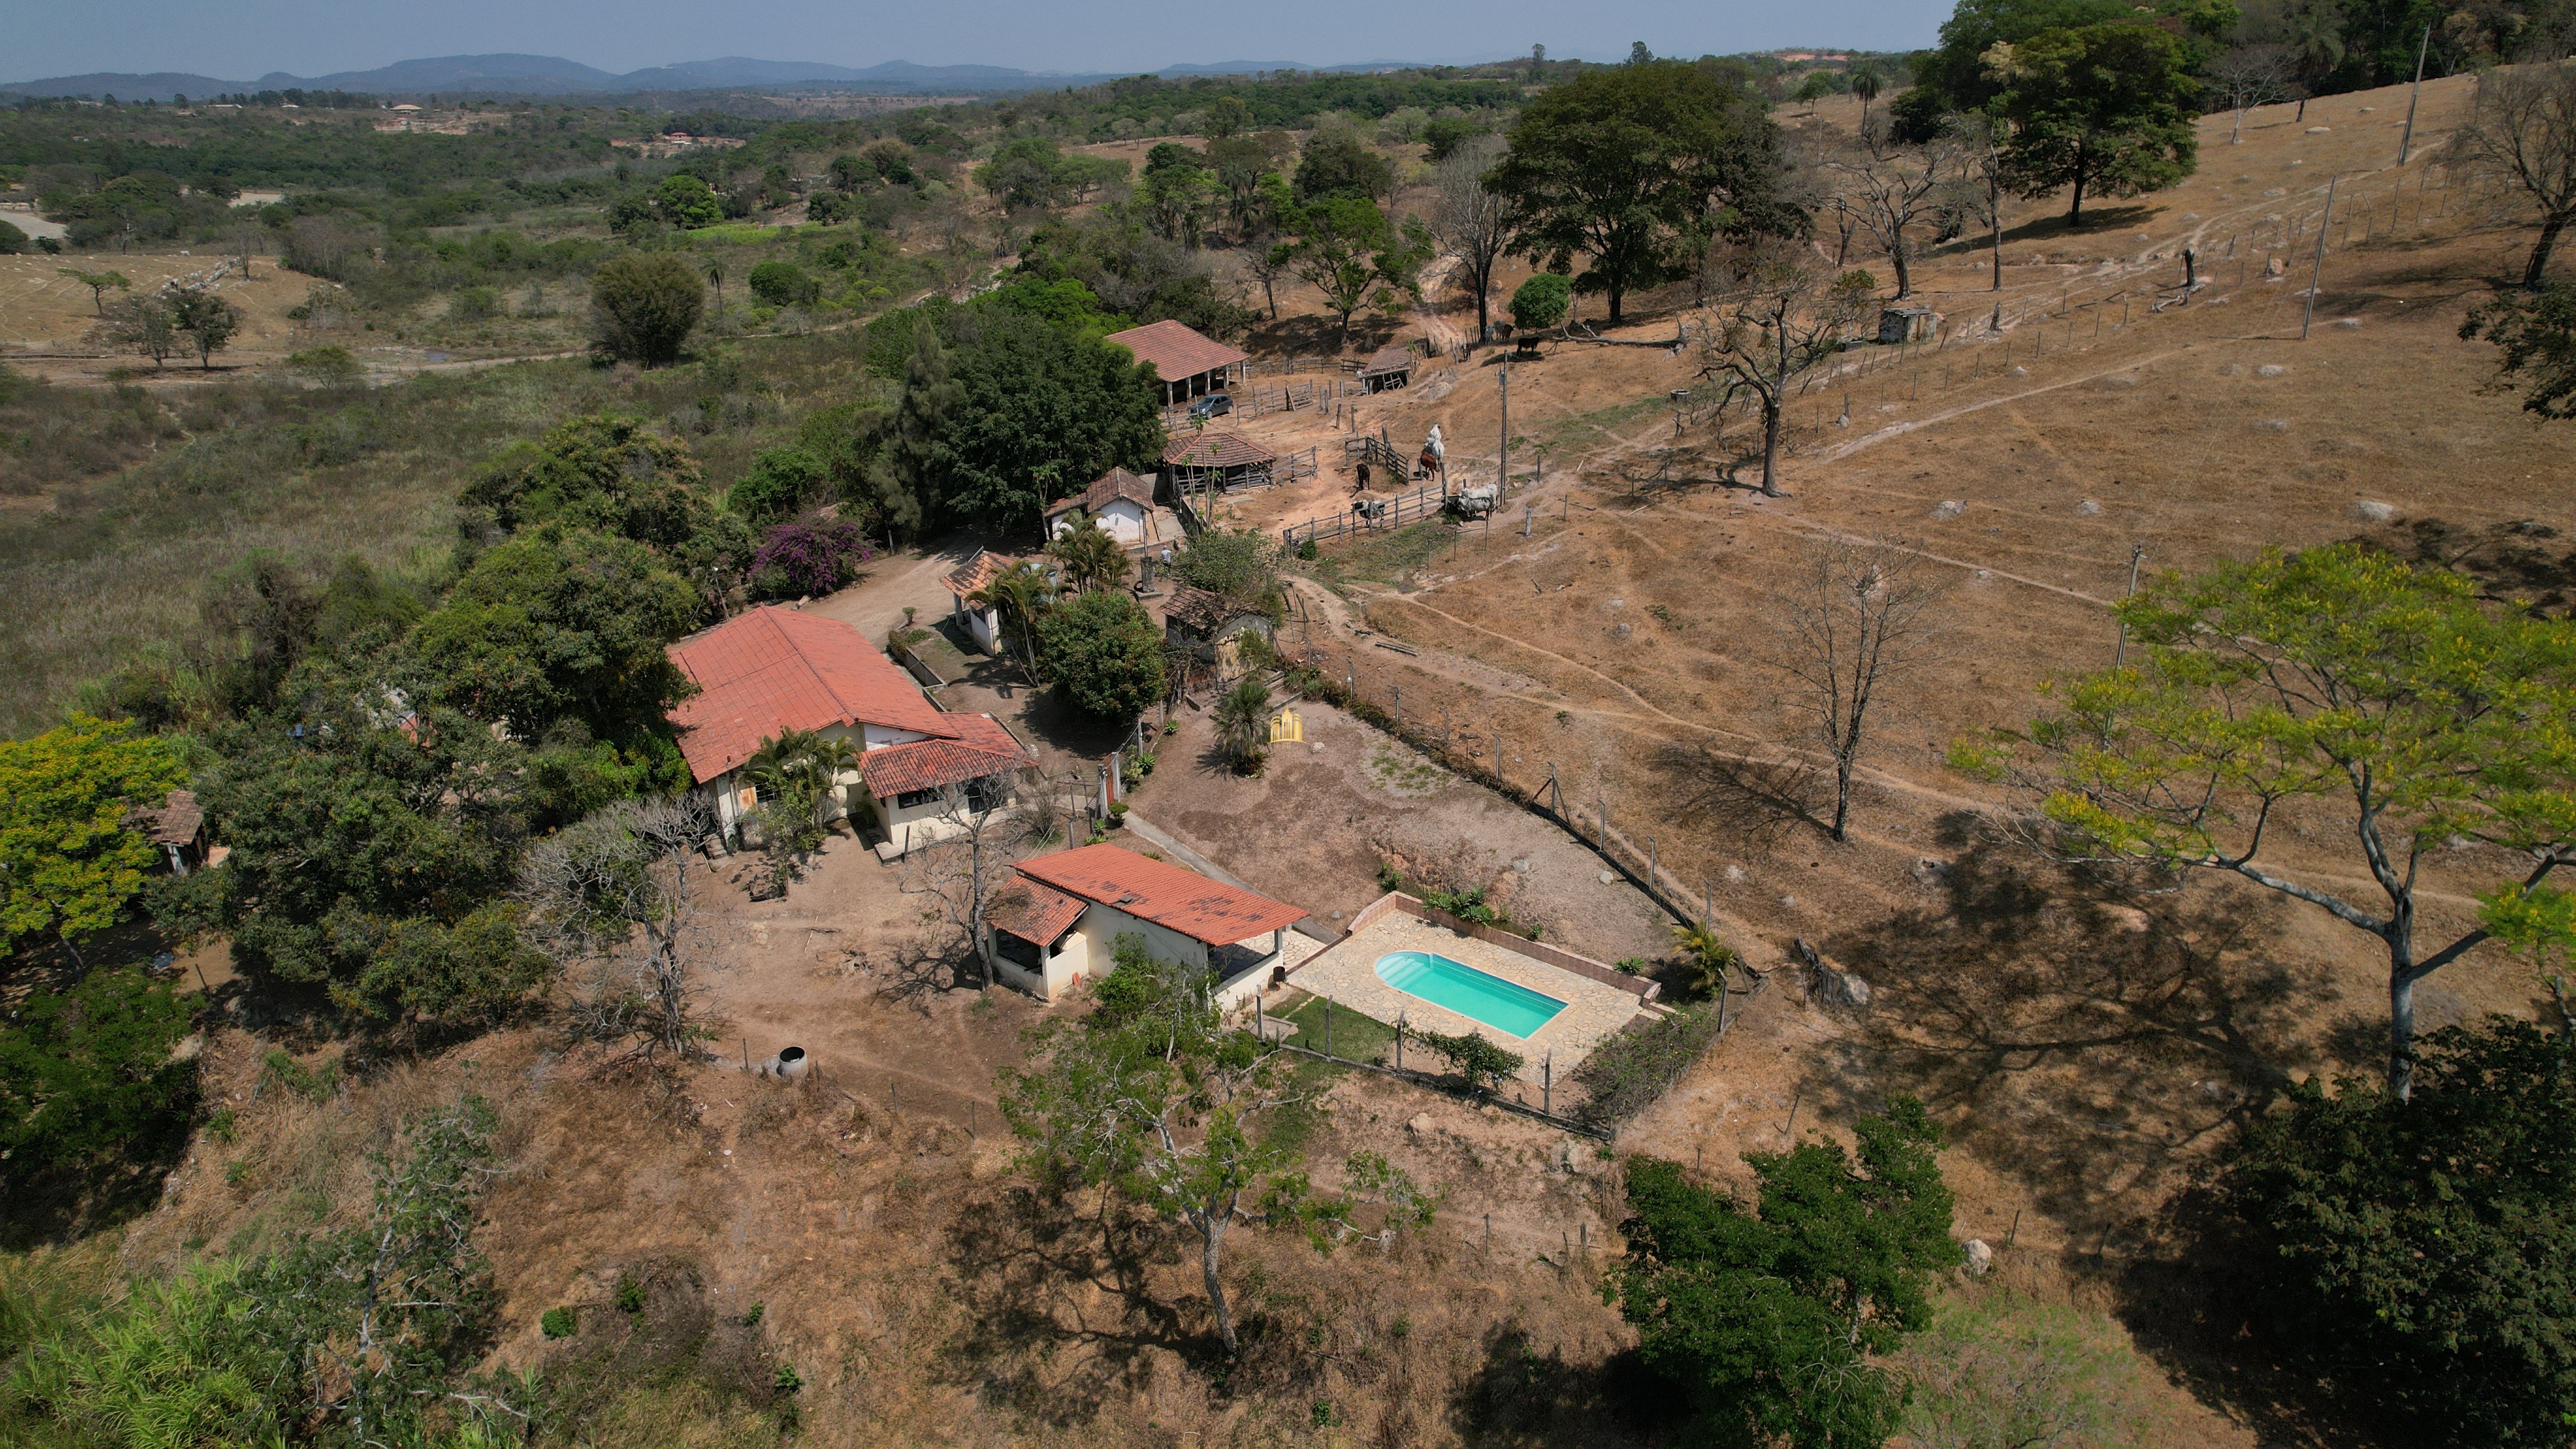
<point>178,826</point>
<point>982,622</point>
<point>1907,324</point>
<point>1121,503</point>
<point>1196,462</point>
<point>1058,922</point>
<point>1388,369</point>
<point>1208,628</point>
<point>1188,363</point>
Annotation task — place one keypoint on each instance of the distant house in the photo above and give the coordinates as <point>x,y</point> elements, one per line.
<point>178,826</point>
<point>1058,923</point>
<point>1387,369</point>
<point>982,621</point>
<point>1209,629</point>
<point>1195,461</point>
<point>774,669</point>
<point>1120,502</point>
<point>1189,364</point>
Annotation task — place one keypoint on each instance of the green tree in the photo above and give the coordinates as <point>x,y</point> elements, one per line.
<point>2335,677</point>
<point>1341,167</point>
<point>2418,1254</point>
<point>1243,721</point>
<point>1178,193</point>
<point>1955,77</point>
<point>1023,174</point>
<point>783,284</point>
<point>780,484</point>
<point>1103,651</point>
<point>88,1073</point>
<point>2538,335</point>
<point>559,624</point>
<point>145,325</point>
<point>1622,165</point>
<point>69,863</point>
<point>643,306</point>
<point>206,320</point>
<point>1770,1320</point>
<point>611,474</point>
<point>1226,116</point>
<point>1541,302</point>
<point>1481,1062</point>
<point>1156,1101</point>
<point>1090,558</point>
<point>685,201</point>
<point>1239,565</point>
<point>908,478</point>
<point>99,284</point>
<point>2106,109</point>
<point>1240,163</point>
<point>1038,411</point>
<point>1345,248</point>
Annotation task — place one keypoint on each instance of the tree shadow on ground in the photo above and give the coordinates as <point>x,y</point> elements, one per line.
<point>1308,336</point>
<point>1054,722</point>
<point>2510,561</point>
<point>1756,801</point>
<point>1037,1277</point>
<point>1519,1398</point>
<point>2092,1042</point>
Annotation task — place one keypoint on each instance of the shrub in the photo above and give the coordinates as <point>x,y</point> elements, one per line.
<point>630,1296</point>
<point>778,486</point>
<point>643,306</point>
<point>558,1323</point>
<point>474,304</point>
<point>1630,1069</point>
<point>1471,1056</point>
<point>783,284</point>
<point>1541,302</point>
<point>808,558</point>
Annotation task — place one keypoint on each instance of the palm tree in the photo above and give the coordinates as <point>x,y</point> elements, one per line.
<point>715,274</point>
<point>802,766</point>
<point>1091,558</point>
<point>1243,720</point>
<point>1864,84</point>
<point>1705,958</point>
<point>1020,593</point>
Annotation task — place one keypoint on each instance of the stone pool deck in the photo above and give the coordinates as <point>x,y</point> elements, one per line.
<point>1346,973</point>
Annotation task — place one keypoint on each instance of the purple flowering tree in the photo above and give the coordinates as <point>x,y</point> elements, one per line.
<point>808,556</point>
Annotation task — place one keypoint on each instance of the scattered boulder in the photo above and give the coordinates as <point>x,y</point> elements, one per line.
<point>2020,371</point>
<point>2271,425</point>
<point>1420,1126</point>
<point>2088,509</point>
<point>2372,511</point>
<point>1931,870</point>
<point>2348,324</point>
<point>2231,370</point>
<point>1621,631</point>
<point>1980,1258</point>
<point>1830,986</point>
<point>1948,508</point>
<point>1609,877</point>
<point>1735,875</point>
<point>2271,369</point>
<point>2275,267</point>
<point>2319,130</point>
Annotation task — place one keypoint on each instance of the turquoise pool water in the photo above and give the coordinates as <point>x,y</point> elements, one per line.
<point>1503,1005</point>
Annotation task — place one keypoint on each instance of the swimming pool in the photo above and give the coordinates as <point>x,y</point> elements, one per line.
<point>1505,1006</point>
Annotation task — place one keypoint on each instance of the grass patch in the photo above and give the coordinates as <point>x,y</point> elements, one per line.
<point>1355,1037</point>
<point>1382,558</point>
<point>1583,432</point>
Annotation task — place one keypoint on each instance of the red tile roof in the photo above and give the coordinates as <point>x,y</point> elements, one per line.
<point>1175,350</point>
<point>1032,912</point>
<point>773,669</point>
<point>979,571</point>
<point>1108,488</point>
<point>1214,450</point>
<point>175,822</point>
<point>1204,910</point>
<point>982,748</point>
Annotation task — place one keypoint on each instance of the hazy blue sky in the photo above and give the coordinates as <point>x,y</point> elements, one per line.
<point>244,39</point>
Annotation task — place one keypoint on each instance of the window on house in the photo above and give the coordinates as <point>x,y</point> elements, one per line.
<point>915,799</point>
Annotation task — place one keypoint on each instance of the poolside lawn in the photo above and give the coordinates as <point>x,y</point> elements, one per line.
<point>1357,1037</point>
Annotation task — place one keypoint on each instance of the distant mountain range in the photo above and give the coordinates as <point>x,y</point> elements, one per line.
<point>550,75</point>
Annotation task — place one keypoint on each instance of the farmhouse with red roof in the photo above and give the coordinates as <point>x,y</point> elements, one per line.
<point>1059,922</point>
<point>775,669</point>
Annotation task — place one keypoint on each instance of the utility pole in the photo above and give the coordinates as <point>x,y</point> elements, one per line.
<point>2406,143</point>
<point>1503,448</point>
<point>2120,652</point>
<point>2317,274</point>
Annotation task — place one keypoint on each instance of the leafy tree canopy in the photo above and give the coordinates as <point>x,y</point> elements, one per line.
<point>88,1072</point>
<point>68,861</point>
<point>1342,166</point>
<point>2104,109</point>
<point>555,625</point>
<point>1770,1320</point>
<point>612,474</point>
<point>1624,165</point>
<point>644,305</point>
<point>2420,1254</point>
<point>782,481</point>
<point>1103,651</point>
<point>1039,413</point>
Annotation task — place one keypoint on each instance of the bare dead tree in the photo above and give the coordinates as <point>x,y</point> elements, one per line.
<point>1781,314</point>
<point>2249,76</point>
<point>2520,140</point>
<point>1889,188</point>
<point>964,872</point>
<point>1861,624</point>
<point>618,895</point>
<point>1476,224</point>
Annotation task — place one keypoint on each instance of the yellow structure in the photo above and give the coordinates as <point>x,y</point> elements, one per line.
<point>1287,729</point>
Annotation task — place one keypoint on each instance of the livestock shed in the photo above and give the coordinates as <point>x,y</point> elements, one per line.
<point>1195,462</point>
<point>1208,628</point>
<point>1189,363</point>
<point>1389,368</point>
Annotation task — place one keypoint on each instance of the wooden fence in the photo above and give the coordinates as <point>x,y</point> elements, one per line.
<point>1404,508</point>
